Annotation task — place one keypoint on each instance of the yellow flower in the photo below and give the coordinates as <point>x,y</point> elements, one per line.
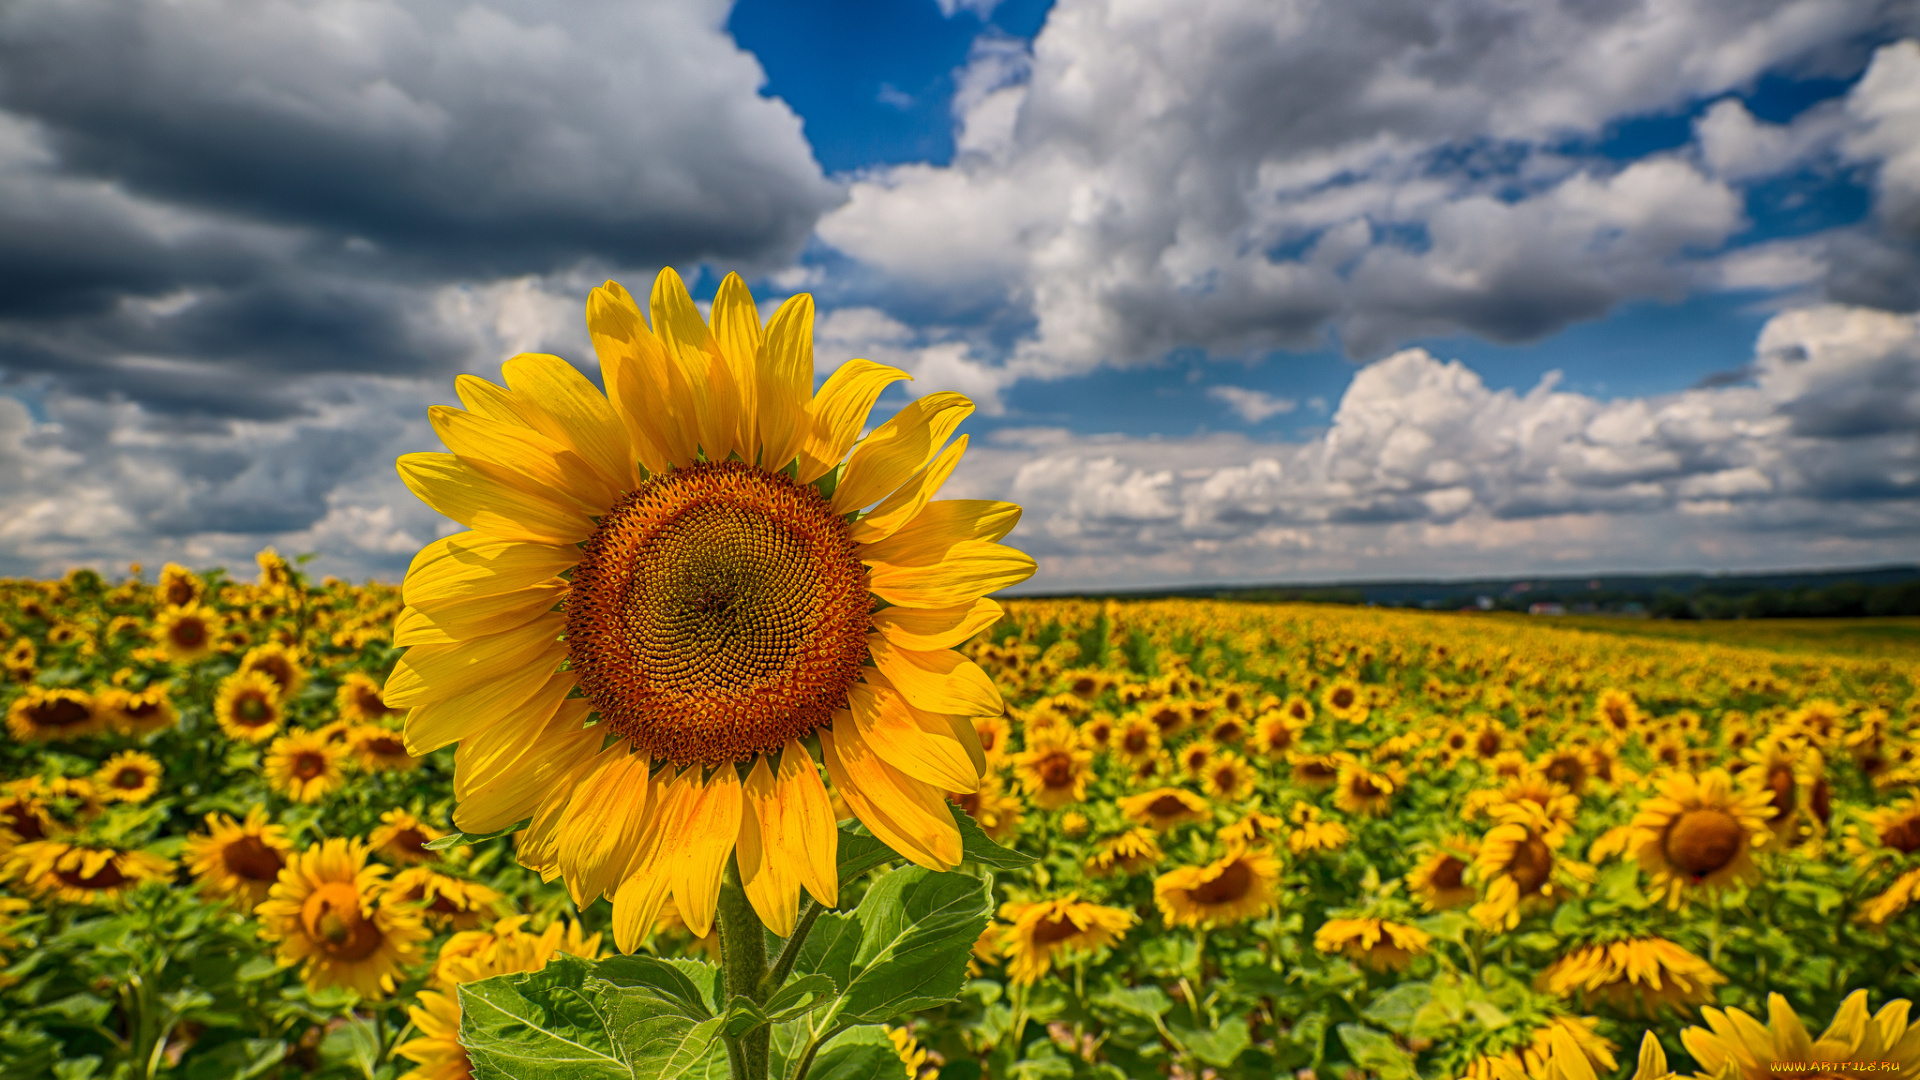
<point>1240,885</point>
<point>1043,930</point>
<point>719,608</point>
<point>238,861</point>
<point>1316,771</point>
<point>1699,833</point>
<point>248,706</point>
<point>1517,861</point>
<point>1378,943</point>
<point>1343,701</point>
<point>402,838</point>
<point>1128,853</point>
<point>43,715</point>
<point>446,902</point>
<point>129,776</point>
<point>997,813</point>
<point>1255,828</point>
<point>188,632</point>
<point>1737,1045</point>
<point>358,699</point>
<point>993,733</point>
<point>1228,777</point>
<point>1617,714</point>
<point>1895,899</point>
<point>304,766</point>
<point>1563,1048</point>
<point>908,1050</point>
<point>179,586</point>
<point>1312,834</point>
<point>380,749</point>
<point>82,873</point>
<point>1164,808</point>
<point>1793,774</point>
<point>325,914</point>
<point>141,713</point>
<point>279,663</point>
<point>1360,790</point>
<point>1054,769</point>
<point>1633,975</point>
<point>1277,732</point>
<point>469,956</point>
<point>1439,880</point>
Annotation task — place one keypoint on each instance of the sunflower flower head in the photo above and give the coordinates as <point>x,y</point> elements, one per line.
<point>1637,975</point>
<point>326,914</point>
<point>1240,885</point>
<point>1040,932</point>
<point>238,861</point>
<point>1699,833</point>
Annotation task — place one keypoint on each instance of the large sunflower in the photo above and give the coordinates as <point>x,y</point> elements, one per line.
<point>1736,1045</point>
<point>692,547</point>
<point>1041,930</point>
<point>1699,834</point>
<point>1238,886</point>
<point>327,913</point>
<point>239,860</point>
<point>1634,975</point>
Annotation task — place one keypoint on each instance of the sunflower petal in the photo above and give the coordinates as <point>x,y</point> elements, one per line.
<point>839,411</point>
<point>704,836</point>
<point>897,509</point>
<point>738,337</point>
<point>601,826</point>
<point>636,907</point>
<point>940,525</point>
<point>640,380</point>
<point>500,775</point>
<point>470,497</point>
<point>785,382</point>
<point>907,815</point>
<point>770,884</point>
<point>811,835</point>
<point>438,672</point>
<point>898,448</point>
<point>433,724</point>
<point>521,457</point>
<point>539,846</point>
<point>562,404</point>
<point>473,564</point>
<point>938,682</point>
<point>688,342</point>
<point>936,628</point>
<point>970,570</point>
<point>919,744</point>
<point>460,620</point>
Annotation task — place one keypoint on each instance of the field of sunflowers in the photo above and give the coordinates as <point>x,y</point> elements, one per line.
<point>1265,840</point>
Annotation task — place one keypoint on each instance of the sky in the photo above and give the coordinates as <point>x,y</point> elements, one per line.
<point>1247,291</point>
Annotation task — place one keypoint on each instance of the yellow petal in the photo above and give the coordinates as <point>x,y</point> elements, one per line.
<point>1567,1057</point>
<point>522,457</point>
<point>942,681</point>
<point>970,570</point>
<point>738,336</point>
<point>927,629</point>
<point>482,398</point>
<point>640,380</point>
<point>897,509</point>
<point>601,827</point>
<point>922,745</point>
<point>468,496</point>
<point>811,835</point>
<point>677,323</point>
<point>704,837</point>
<point>563,405</point>
<point>1653,1059</point>
<point>927,538</point>
<point>438,672</point>
<point>905,814</point>
<point>501,774</point>
<point>459,620</point>
<point>468,564</point>
<point>771,886</point>
<point>898,448</point>
<point>636,907</point>
<point>539,846</point>
<point>839,411</point>
<point>433,724</point>
<point>785,383</point>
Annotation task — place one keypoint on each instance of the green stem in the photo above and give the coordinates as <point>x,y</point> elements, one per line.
<point>743,966</point>
<point>810,913</point>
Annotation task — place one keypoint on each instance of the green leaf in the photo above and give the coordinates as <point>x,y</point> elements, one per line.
<point>664,977</point>
<point>861,851</point>
<point>543,1025</point>
<point>1217,1047</point>
<point>1395,1010</point>
<point>792,999</point>
<point>917,929</point>
<point>829,949</point>
<point>457,839</point>
<point>1146,1002</point>
<point>860,1053</point>
<point>978,847</point>
<point>1376,1052</point>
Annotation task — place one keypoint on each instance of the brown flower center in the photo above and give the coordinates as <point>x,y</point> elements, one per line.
<point>250,858</point>
<point>1700,842</point>
<point>251,709</point>
<point>130,778</point>
<point>1056,770</point>
<point>1136,742</point>
<point>1232,883</point>
<point>1780,782</point>
<point>1342,698</point>
<point>1056,928</point>
<point>333,921</point>
<point>309,765</point>
<point>107,877</point>
<point>1531,864</point>
<point>1363,788</point>
<point>386,746</point>
<point>59,713</point>
<point>717,612</point>
<point>1167,806</point>
<point>1902,834</point>
<point>1448,873</point>
<point>23,820</point>
<point>1166,718</point>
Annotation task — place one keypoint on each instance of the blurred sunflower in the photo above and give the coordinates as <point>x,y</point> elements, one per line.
<point>719,608</point>
<point>1255,828</point>
<point>1276,733</point>
<point>1516,864</point>
<point>912,1056</point>
<point>380,749</point>
<point>1380,944</point>
<point>1298,710</point>
<point>1580,1052</point>
<point>304,766</point>
<point>1238,886</point>
<point>1316,771</point>
<point>1128,853</point>
<point>1360,790</point>
<point>238,860</point>
<point>1228,777</point>
<point>1793,774</point>
<point>279,663</point>
<point>1617,714</point>
<point>325,914</point>
<point>82,873</point>
<point>1228,730</point>
<point>1637,976</point>
<point>129,776</point>
<point>401,838</point>
<point>358,699</point>
<point>188,633</point>
<point>179,586</point>
<point>1136,740</point>
<point>1054,769</point>
<point>141,713</point>
<point>446,902</point>
<point>1343,701</point>
<point>51,715</point>
<point>1041,931</point>
<point>248,706</point>
<point>1311,834</point>
<point>1164,808</point>
<point>1438,880</point>
<point>1195,757</point>
<point>1736,1045</point>
<point>993,733</point>
<point>1699,834</point>
<point>993,809</point>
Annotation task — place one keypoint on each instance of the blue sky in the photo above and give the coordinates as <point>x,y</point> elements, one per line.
<point>1247,292</point>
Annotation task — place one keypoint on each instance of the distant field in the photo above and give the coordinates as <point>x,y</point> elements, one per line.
<point>1890,637</point>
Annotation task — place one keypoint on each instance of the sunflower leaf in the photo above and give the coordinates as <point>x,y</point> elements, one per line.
<point>861,851</point>
<point>457,839</point>
<point>547,1025</point>
<point>917,929</point>
<point>978,847</point>
<point>1376,1052</point>
<point>791,1001</point>
<point>859,1053</point>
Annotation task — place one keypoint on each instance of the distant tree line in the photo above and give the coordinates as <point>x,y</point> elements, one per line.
<point>1847,599</point>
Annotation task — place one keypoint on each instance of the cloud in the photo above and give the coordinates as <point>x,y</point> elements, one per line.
<point>1253,406</point>
<point>1257,178</point>
<point>1425,466</point>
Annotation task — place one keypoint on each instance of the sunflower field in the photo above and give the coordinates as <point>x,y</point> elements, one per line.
<point>1252,840</point>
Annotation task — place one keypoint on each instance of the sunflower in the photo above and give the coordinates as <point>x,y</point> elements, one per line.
<point>1793,774</point>
<point>129,776</point>
<point>1164,808</point>
<point>358,699</point>
<point>718,608</point>
<point>1311,834</point>
<point>1276,732</point>
<point>1563,1048</point>
<point>1136,740</point>
<point>238,860</point>
<point>1360,790</point>
<point>248,706</point>
<point>1097,732</point>
<point>179,586</point>
<point>1379,944</point>
<point>1045,929</point>
<point>446,902</point>
<point>1617,714</point>
<point>380,749</point>
<point>188,632</point>
<point>24,814</point>
<point>304,766</point>
<point>1054,769</point>
<point>402,838</point>
<point>1734,1044</point>
<point>278,663</point>
<point>1255,828</point>
<point>141,713</point>
<point>1228,777</point>
<point>1343,701</point>
<point>1438,881</point>
<point>993,733</point>
<point>1239,885</point>
<point>326,915</point>
<point>83,873</point>
<point>1887,833</point>
<point>1128,853</point>
<point>1517,861</point>
<point>1316,771</point>
<point>1633,975</point>
<point>1194,758</point>
<point>44,715</point>
<point>1298,710</point>
<point>997,813</point>
<point>468,957</point>
<point>907,1048</point>
<point>1896,898</point>
<point>1169,718</point>
<point>1699,833</point>
<point>1228,730</point>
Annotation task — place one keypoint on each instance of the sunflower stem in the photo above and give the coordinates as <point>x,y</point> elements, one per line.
<point>810,912</point>
<point>743,966</point>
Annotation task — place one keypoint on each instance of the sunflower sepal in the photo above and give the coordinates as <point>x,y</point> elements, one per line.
<point>461,839</point>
